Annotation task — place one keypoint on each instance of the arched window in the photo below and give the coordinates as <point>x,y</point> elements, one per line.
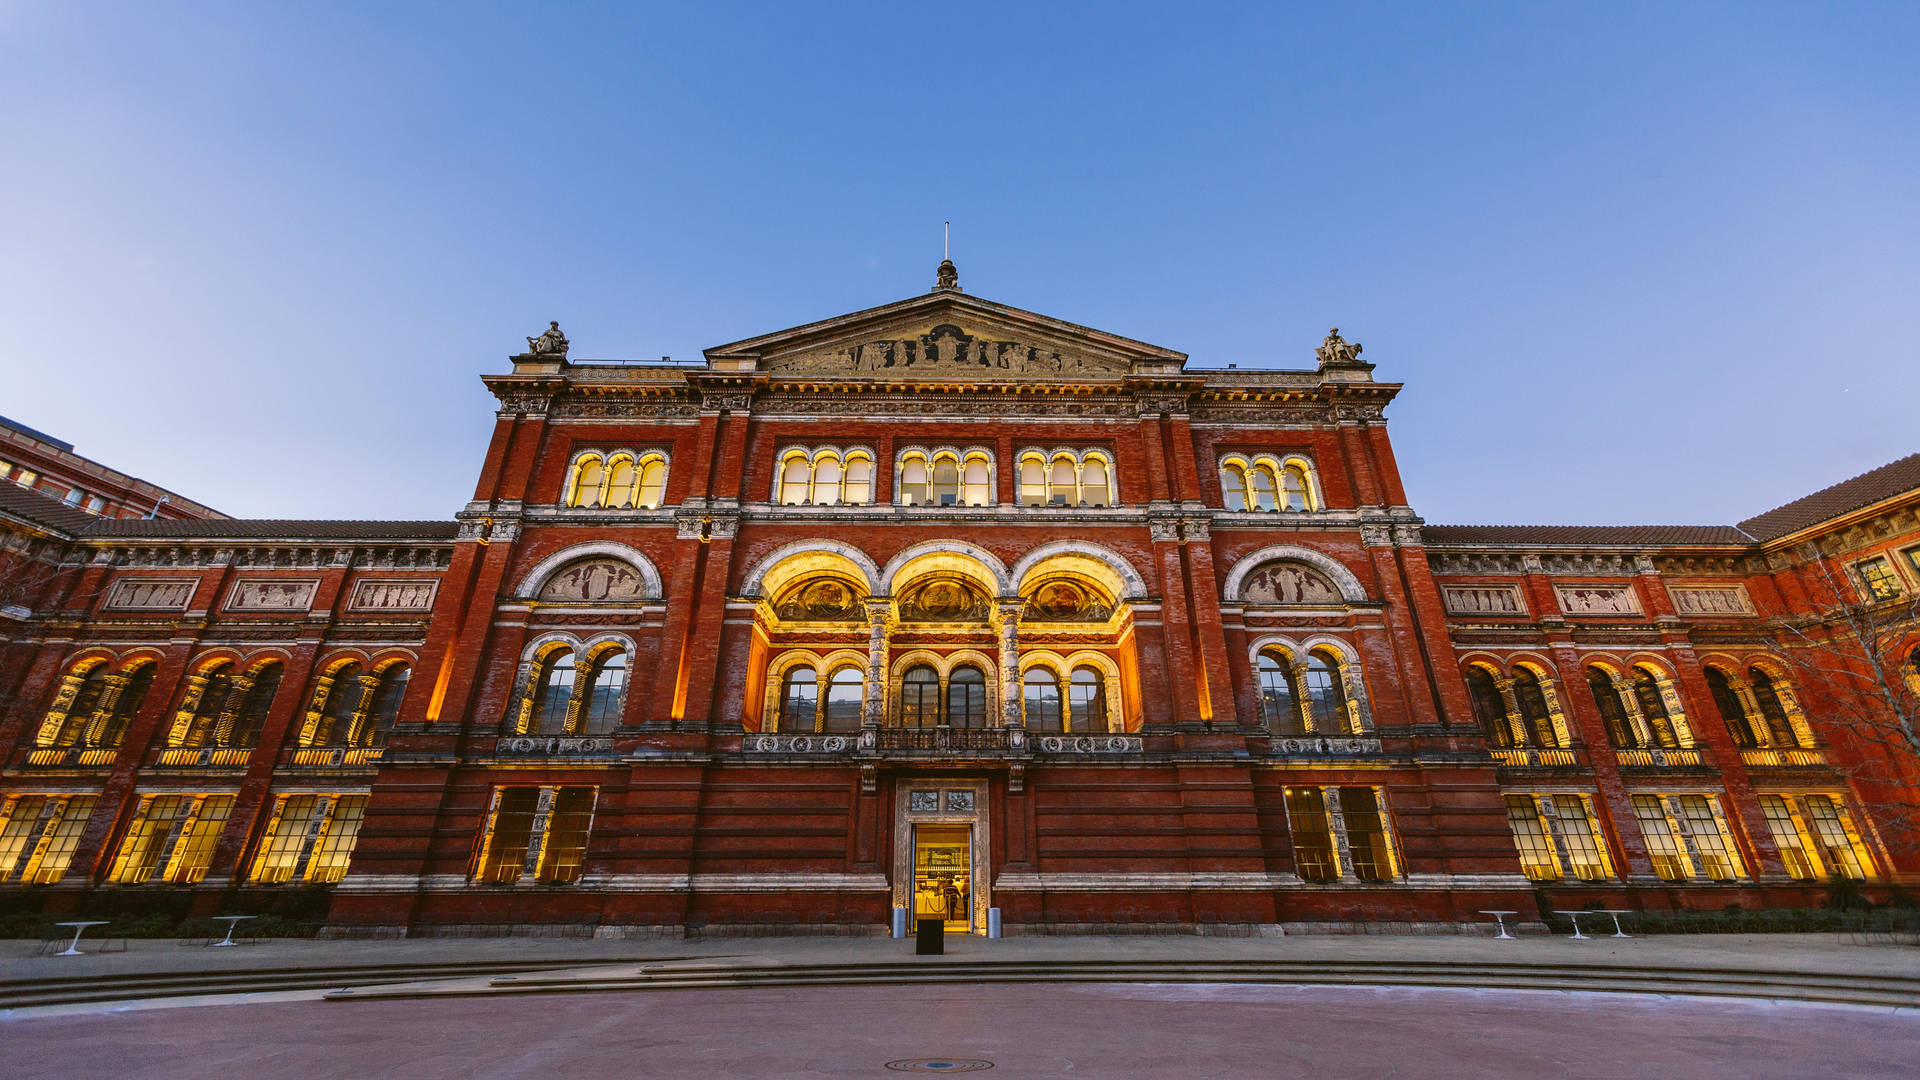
<point>84,702</point>
<point>1094,488</point>
<point>254,709</point>
<point>920,697</point>
<point>1033,482</point>
<point>967,698</point>
<point>621,476</point>
<point>213,698</point>
<point>1727,703</point>
<point>1326,697</point>
<point>1042,700</point>
<point>916,485</point>
<point>384,709</point>
<point>605,699</point>
<point>800,701</point>
<point>946,481</point>
<point>1233,486</point>
<point>843,700</point>
<point>343,701</point>
<point>1293,487</point>
<point>553,690</point>
<point>589,477</point>
<point>1260,479</point>
<point>859,483</point>
<point>976,482</point>
<point>126,707</point>
<point>826,480</point>
<point>1607,699</point>
<point>1533,709</point>
<point>1646,689</point>
<point>796,478</point>
<point>653,483</point>
<point>1063,482</point>
<point>1086,701</point>
<point>1278,696</point>
<point>1489,707</point>
<point>1767,696</point>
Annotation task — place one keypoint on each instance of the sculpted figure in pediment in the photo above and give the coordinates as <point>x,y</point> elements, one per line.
<point>594,581</point>
<point>1285,582</point>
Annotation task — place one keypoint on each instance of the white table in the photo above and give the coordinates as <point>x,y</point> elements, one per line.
<point>1500,919</point>
<point>231,921</point>
<point>1616,913</point>
<point>73,947</point>
<point>1574,917</point>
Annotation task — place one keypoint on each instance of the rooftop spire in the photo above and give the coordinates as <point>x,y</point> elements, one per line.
<point>947,278</point>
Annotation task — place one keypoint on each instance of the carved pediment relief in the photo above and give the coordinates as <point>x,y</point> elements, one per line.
<point>950,350</point>
<point>1289,583</point>
<point>1066,601</point>
<point>945,600</point>
<point>593,581</point>
<point>820,600</point>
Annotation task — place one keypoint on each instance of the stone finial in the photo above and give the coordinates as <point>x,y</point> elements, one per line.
<point>551,342</point>
<point>947,277</point>
<point>1337,350</point>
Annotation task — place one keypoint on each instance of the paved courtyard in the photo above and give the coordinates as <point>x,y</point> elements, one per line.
<point>1024,1030</point>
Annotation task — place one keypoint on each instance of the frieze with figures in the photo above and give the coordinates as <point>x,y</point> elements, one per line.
<point>1711,599</point>
<point>271,595</point>
<point>1484,599</point>
<point>1597,599</point>
<point>1285,582</point>
<point>148,595</point>
<point>945,600</point>
<point>1067,602</point>
<point>821,600</point>
<point>947,349</point>
<point>393,595</point>
<point>591,581</point>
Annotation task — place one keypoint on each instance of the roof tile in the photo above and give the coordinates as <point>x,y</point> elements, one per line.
<point>1893,478</point>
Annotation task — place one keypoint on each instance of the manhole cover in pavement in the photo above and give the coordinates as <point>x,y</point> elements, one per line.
<point>939,1065</point>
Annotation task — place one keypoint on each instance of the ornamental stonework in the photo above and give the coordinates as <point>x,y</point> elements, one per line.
<point>949,350</point>
<point>592,581</point>
<point>1708,600</point>
<point>410,596</point>
<point>1597,599</point>
<point>136,594</point>
<point>272,595</point>
<point>1484,599</point>
<point>1288,583</point>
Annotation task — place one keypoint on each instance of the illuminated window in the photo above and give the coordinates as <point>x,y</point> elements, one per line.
<point>203,703</point>
<point>826,480</point>
<point>605,696</point>
<point>1233,486</point>
<point>1094,490</point>
<point>1293,487</point>
<point>1788,838</point>
<point>553,683</point>
<point>1878,579</point>
<point>858,487</point>
<point>653,483</point>
<point>542,828</point>
<point>171,839</point>
<point>1710,840</point>
<point>1533,708</point>
<point>1067,478</point>
<point>26,478</point>
<point>800,701</point>
<point>309,838</point>
<point>1586,858</point>
<point>384,709</point>
<point>286,840</point>
<point>39,834</point>
<point>1607,699</point>
<point>1670,861</point>
<point>976,481</point>
<point>1772,699</point>
<point>967,698</point>
<point>916,482</point>
<point>254,707</point>
<point>1042,699</point>
<point>920,697</point>
<point>1653,707</point>
<point>796,480</point>
<point>1326,695</point>
<point>1314,858</point>
<point>621,480</point>
<point>1489,707</point>
<point>946,481</point>
<point>1086,701</point>
<point>589,482</point>
<point>824,477</point>
<point>844,700</point>
<point>1278,696</point>
<point>1367,839</point>
<point>73,724</point>
<point>1260,482</point>
<point>1267,483</point>
<point>1727,703</point>
<point>1033,481</point>
<point>1530,835</point>
<point>1840,845</point>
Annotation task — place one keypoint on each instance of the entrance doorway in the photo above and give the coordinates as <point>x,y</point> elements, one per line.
<point>943,875</point>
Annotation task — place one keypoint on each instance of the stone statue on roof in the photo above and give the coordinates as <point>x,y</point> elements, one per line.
<point>551,342</point>
<point>1337,350</point>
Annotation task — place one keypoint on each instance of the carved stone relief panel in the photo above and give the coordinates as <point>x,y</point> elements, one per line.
<point>1597,599</point>
<point>1711,599</point>
<point>594,581</point>
<point>145,594</point>
<point>412,596</point>
<point>945,600</point>
<point>1484,599</point>
<point>948,349</point>
<point>272,595</point>
<point>1287,582</point>
<point>821,600</point>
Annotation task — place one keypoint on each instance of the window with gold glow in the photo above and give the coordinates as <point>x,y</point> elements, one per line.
<point>616,480</point>
<point>1265,482</point>
<point>1067,478</point>
<point>309,838</point>
<point>39,834</point>
<point>824,477</point>
<point>535,834</point>
<point>171,840</point>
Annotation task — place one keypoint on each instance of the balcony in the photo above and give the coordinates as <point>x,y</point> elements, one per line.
<point>1534,758</point>
<point>71,756</point>
<point>553,746</point>
<point>336,757</point>
<point>943,742</point>
<point>205,757</point>
<point>1773,758</point>
<point>1325,746</point>
<point>1658,759</point>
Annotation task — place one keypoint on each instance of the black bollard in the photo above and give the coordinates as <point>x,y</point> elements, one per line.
<point>930,937</point>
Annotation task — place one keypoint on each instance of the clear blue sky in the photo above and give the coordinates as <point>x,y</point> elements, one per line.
<point>1633,262</point>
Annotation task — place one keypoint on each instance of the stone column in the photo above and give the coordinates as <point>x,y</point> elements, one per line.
<point>1009,627</point>
<point>873,711</point>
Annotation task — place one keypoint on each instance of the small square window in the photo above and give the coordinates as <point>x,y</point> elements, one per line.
<point>1878,577</point>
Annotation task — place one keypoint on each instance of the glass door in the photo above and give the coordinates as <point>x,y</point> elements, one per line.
<point>943,875</point>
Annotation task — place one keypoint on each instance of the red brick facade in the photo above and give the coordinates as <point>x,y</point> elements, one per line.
<point>1123,687</point>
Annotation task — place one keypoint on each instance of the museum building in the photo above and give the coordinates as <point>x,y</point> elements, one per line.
<point>943,606</point>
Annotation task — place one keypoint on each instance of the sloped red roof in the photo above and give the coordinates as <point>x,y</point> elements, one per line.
<point>1893,478</point>
<point>1620,535</point>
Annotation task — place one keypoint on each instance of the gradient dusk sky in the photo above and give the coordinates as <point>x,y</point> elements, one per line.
<point>1633,262</point>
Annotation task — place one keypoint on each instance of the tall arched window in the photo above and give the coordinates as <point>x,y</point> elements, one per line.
<point>1646,689</point>
<point>343,700</point>
<point>1042,700</point>
<point>605,698</point>
<point>1278,696</point>
<point>589,476</point>
<point>976,482</point>
<point>1293,487</point>
<point>795,479</point>
<point>1767,696</point>
<point>946,481</point>
<point>1086,701</point>
<point>621,475</point>
<point>1533,709</point>
<point>254,709</point>
<point>653,483</point>
<point>1094,489</point>
<point>1612,713</point>
<point>1265,482</point>
<point>384,709</point>
<point>916,481</point>
<point>967,698</point>
<point>553,690</point>
<point>1727,703</point>
<point>843,700</point>
<point>213,698</point>
<point>1063,482</point>
<point>1326,697</point>
<point>126,707</point>
<point>1233,486</point>
<point>800,701</point>
<point>826,480</point>
<point>1260,480</point>
<point>920,697</point>
<point>1489,707</point>
<point>84,702</point>
<point>858,488</point>
<point>1033,481</point>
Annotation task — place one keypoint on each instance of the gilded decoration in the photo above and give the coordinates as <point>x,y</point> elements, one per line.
<point>594,580</point>
<point>1289,583</point>
<point>820,600</point>
<point>1066,601</point>
<point>945,600</point>
<point>947,349</point>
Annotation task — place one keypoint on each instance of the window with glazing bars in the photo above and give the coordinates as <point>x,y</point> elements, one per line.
<point>1670,861</point>
<point>1717,858</point>
<point>1786,837</point>
<point>1586,858</point>
<point>1367,839</point>
<point>1829,823</point>
<point>38,836</point>
<point>1530,837</point>
<point>518,834</point>
<point>1314,858</point>
<point>172,840</point>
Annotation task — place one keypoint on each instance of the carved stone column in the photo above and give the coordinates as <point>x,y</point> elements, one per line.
<point>1757,727</point>
<point>873,711</point>
<point>1009,627</point>
<point>1630,703</point>
<point>102,717</point>
<point>1302,701</point>
<point>237,692</point>
<point>1515,727</point>
<point>57,712</point>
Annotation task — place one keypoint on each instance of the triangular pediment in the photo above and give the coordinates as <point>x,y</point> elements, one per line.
<point>945,334</point>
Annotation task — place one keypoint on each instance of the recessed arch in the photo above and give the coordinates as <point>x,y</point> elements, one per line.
<point>1351,591</point>
<point>1102,564</point>
<point>835,555</point>
<point>971,560</point>
<point>532,581</point>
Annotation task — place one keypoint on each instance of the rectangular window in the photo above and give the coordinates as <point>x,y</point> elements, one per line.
<point>334,850</point>
<point>1530,836</point>
<point>1313,856</point>
<point>26,478</point>
<point>311,837</point>
<point>1786,837</point>
<point>171,839</point>
<point>1670,861</point>
<point>1586,857</point>
<point>286,835</point>
<point>1846,856</point>
<point>1878,578</point>
<point>38,836</point>
<point>1367,839</point>
<point>1701,819</point>
<point>545,827</point>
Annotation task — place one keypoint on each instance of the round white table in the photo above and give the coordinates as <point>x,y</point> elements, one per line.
<point>231,921</point>
<point>1500,919</point>
<point>1616,913</point>
<point>73,947</point>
